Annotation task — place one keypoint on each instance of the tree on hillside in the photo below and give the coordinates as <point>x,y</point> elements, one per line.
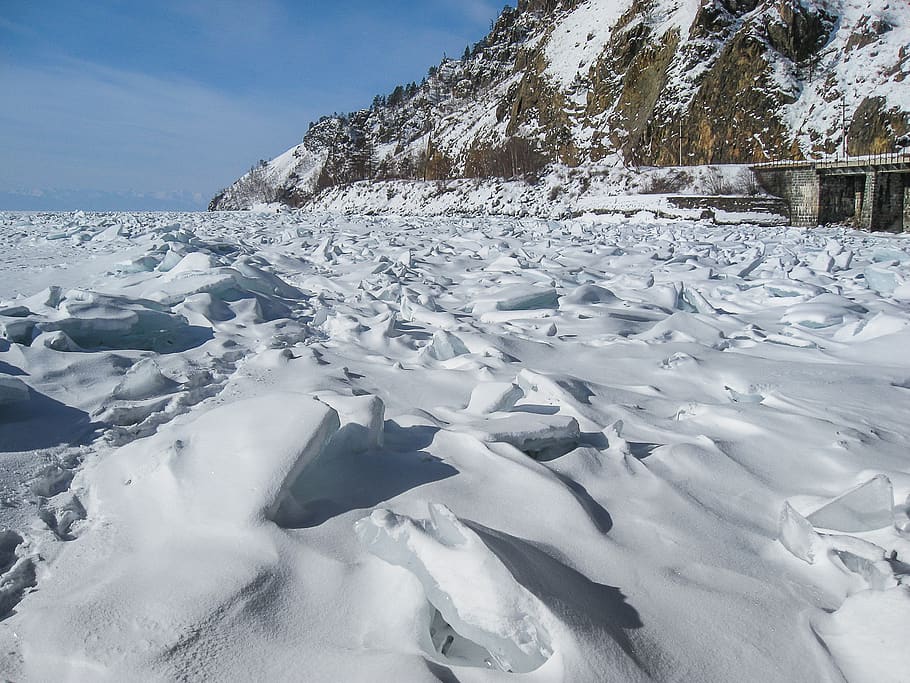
<point>255,186</point>
<point>397,96</point>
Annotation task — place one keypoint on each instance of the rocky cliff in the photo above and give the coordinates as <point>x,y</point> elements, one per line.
<point>633,82</point>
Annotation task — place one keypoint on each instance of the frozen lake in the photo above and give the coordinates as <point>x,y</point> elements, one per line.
<point>284,446</point>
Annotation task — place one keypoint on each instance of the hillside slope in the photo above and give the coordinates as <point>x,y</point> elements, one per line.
<point>636,82</point>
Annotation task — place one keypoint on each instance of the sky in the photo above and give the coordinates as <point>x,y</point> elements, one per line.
<point>120,104</point>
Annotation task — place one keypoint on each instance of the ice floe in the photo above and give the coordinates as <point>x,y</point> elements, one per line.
<point>472,590</point>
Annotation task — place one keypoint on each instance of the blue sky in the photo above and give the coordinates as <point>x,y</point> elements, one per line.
<point>152,99</point>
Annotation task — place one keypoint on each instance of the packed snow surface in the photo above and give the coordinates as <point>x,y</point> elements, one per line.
<point>295,446</point>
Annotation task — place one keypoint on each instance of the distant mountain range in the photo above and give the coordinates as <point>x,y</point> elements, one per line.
<point>632,82</point>
<point>99,200</point>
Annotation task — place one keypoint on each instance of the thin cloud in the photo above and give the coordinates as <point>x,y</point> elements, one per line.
<point>229,22</point>
<point>478,11</point>
<point>93,126</point>
<point>17,28</point>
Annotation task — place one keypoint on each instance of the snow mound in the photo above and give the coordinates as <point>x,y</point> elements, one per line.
<point>889,611</point>
<point>230,466</point>
<point>12,390</point>
<point>193,500</point>
<point>91,320</point>
<point>17,573</point>
<point>470,587</point>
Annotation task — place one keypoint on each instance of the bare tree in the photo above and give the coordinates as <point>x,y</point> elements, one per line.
<point>255,186</point>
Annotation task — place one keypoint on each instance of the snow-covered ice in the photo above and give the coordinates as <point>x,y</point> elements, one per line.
<point>470,587</point>
<point>284,445</point>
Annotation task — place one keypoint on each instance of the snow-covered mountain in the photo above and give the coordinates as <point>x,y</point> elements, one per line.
<point>633,82</point>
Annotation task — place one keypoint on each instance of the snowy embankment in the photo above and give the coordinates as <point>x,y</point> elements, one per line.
<point>250,446</point>
<point>561,192</point>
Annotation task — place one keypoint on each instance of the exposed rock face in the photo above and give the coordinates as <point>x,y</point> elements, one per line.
<point>874,127</point>
<point>796,30</point>
<point>649,82</point>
